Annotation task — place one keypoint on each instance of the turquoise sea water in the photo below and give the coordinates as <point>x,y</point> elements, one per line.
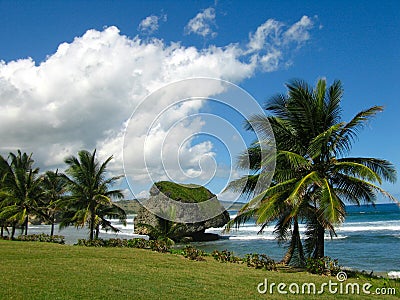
<point>368,240</point>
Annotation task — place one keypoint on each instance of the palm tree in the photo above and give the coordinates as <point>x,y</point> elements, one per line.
<point>88,198</point>
<point>54,188</point>
<point>165,230</point>
<point>112,212</point>
<point>20,191</point>
<point>314,177</point>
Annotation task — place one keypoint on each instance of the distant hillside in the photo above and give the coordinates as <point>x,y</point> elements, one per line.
<point>235,206</point>
<point>132,206</point>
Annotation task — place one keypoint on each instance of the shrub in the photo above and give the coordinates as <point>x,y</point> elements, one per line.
<point>259,261</point>
<point>155,245</point>
<point>324,265</point>
<point>122,243</point>
<point>58,239</point>
<point>192,253</point>
<point>225,256</point>
<point>138,243</point>
<point>91,243</point>
<point>159,246</point>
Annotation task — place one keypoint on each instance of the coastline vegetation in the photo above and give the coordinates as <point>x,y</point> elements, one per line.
<point>80,197</point>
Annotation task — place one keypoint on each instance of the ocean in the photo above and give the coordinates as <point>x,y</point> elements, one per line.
<point>368,240</point>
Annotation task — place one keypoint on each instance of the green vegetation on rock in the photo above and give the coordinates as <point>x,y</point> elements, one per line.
<point>187,193</point>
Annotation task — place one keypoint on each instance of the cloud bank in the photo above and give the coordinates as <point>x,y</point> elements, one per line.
<point>82,96</point>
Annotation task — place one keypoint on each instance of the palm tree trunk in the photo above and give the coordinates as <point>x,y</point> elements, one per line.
<point>295,244</point>
<point>26,225</point>
<point>12,231</point>
<point>320,245</point>
<point>97,231</point>
<point>91,225</point>
<point>53,220</point>
<point>289,253</point>
<point>91,233</point>
<point>299,246</point>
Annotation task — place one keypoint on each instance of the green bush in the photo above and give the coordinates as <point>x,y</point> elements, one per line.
<point>192,253</point>
<point>58,239</point>
<point>91,243</point>
<point>259,261</point>
<point>225,256</point>
<point>121,243</point>
<point>159,246</point>
<point>155,245</point>
<point>324,265</point>
<point>138,243</point>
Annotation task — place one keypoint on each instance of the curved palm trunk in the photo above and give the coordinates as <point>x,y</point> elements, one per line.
<point>295,244</point>
<point>52,225</point>
<point>52,229</point>
<point>320,242</point>
<point>91,235</point>
<point>92,224</point>
<point>25,226</point>
<point>12,231</point>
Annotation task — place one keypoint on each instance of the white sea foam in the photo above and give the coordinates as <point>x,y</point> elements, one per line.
<point>338,237</point>
<point>368,228</point>
<point>394,274</point>
<point>251,237</point>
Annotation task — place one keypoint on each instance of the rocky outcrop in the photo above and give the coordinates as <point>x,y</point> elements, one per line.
<point>189,209</point>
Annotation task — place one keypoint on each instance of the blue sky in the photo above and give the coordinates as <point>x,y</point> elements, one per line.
<point>357,42</point>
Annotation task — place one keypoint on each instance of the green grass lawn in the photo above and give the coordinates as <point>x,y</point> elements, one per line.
<point>32,270</point>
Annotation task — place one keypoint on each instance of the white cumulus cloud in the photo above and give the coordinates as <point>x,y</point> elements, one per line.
<point>82,96</point>
<point>269,43</point>
<point>203,23</point>
<point>150,24</point>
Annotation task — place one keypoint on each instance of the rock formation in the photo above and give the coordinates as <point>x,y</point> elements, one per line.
<point>189,204</point>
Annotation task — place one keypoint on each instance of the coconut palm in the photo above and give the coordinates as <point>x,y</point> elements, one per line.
<point>54,188</point>
<point>166,231</point>
<point>314,177</point>
<point>20,191</point>
<point>89,197</point>
<point>112,212</point>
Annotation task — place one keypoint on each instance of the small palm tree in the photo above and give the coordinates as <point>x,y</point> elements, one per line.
<point>166,231</point>
<point>54,188</point>
<point>89,197</point>
<point>20,191</point>
<point>112,212</point>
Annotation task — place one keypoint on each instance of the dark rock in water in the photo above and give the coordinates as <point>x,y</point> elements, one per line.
<point>190,209</point>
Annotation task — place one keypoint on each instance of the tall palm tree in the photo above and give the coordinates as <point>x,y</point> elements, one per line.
<point>54,188</point>
<point>314,177</point>
<point>20,191</point>
<point>89,196</point>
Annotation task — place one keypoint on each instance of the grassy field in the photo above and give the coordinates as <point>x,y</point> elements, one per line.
<point>32,270</point>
